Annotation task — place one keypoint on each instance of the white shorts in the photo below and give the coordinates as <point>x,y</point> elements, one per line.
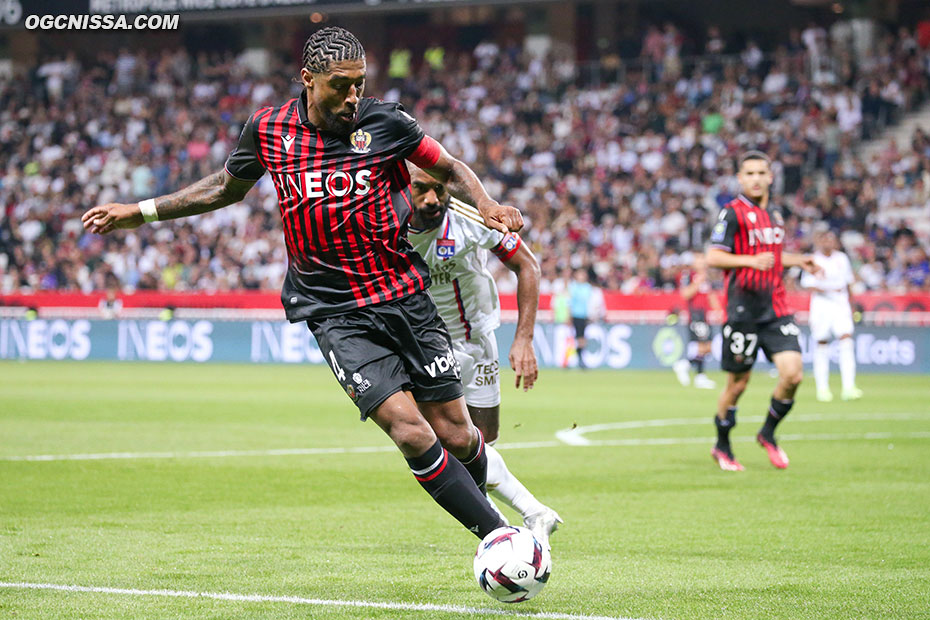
<point>480,370</point>
<point>830,320</point>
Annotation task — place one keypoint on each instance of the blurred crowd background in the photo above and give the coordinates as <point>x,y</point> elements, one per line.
<point>619,166</point>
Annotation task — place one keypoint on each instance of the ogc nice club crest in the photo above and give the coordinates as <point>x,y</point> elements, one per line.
<point>361,142</point>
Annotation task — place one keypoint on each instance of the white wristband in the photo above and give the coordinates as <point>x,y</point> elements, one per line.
<point>149,214</point>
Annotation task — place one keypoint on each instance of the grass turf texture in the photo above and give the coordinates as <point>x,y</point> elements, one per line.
<point>654,531</point>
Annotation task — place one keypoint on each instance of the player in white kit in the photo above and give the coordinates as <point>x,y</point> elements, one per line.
<point>452,238</point>
<point>831,317</point>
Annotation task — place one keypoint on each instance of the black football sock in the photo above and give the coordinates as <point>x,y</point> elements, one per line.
<point>477,464</point>
<point>777,412</point>
<point>449,483</point>
<point>724,427</point>
<point>698,364</point>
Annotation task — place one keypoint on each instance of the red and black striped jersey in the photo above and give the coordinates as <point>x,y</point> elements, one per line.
<point>344,200</point>
<point>700,301</point>
<point>743,227</point>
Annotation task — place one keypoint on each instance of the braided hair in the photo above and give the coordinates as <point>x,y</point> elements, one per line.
<point>329,45</point>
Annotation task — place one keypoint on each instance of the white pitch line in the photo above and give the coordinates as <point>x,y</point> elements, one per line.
<point>568,437</point>
<point>675,441</point>
<point>577,436</point>
<point>102,456</point>
<point>297,600</point>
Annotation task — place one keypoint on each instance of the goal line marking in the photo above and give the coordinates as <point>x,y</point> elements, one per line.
<point>298,600</point>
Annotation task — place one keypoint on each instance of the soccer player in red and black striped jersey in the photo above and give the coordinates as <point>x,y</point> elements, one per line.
<point>695,288</point>
<point>746,243</point>
<point>337,160</point>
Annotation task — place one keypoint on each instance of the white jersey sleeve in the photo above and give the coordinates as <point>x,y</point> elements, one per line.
<point>833,282</point>
<point>850,276</point>
<point>809,280</point>
<point>503,246</point>
<point>457,255</point>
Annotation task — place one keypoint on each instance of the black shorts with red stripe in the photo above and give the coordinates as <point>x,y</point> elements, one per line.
<point>378,350</point>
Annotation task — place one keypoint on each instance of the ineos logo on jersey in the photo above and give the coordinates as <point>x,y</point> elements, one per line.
<point>766,236</point>
<point>319,183</point>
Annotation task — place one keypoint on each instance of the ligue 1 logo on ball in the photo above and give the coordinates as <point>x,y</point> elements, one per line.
<point>361,142</point>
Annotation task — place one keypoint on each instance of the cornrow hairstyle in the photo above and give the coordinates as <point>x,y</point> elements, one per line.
<point>751,155</point>
<point>329,45</point>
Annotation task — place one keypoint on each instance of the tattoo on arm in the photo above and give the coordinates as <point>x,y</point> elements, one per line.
<point>208,194</point>
<point>465,185</point>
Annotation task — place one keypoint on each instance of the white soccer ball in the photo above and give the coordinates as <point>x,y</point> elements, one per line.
<point>511,565</point>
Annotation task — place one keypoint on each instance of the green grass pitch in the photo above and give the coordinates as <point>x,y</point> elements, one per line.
<point>652,528</point>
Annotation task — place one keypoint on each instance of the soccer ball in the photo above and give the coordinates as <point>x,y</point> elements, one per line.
<point>511,565</point>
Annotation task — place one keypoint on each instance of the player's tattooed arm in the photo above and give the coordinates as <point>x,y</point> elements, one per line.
<point>213,192</point>
<point>210,193</point>
<point>462,182</point>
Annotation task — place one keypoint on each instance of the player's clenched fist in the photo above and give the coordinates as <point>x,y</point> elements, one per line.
<point>808,265</point>
<point>105,218</point>
<point>763,261</point>
<point>501,217</point>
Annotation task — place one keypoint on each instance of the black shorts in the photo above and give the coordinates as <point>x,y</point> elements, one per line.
<point>699,328</point>
<point>580,325</point>
<point>742,341</point>
<point>378,350</point>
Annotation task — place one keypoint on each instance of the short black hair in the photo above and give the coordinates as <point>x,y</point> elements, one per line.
<point>329,45</point>
<point>753,155</point>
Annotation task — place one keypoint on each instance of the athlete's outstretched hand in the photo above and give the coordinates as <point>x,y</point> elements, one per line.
<point>763,261</point>
<point>501,217</point>
<point>106,218</point>
<point>523,361</point>
<point>807,264</point>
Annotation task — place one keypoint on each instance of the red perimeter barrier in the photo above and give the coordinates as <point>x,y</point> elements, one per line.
<point>268,300</point>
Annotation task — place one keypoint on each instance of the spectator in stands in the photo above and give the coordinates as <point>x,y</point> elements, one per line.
<point>614,178</point>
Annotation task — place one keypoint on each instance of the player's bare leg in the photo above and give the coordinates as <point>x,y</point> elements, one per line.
<point>446,479</point>
<point>453,426</point>
<point>488,420</point>
<point>848,368</point>
<point>725,420</point>
<point>790,373</point>
<point>822,371</point>
<point>538,517</point>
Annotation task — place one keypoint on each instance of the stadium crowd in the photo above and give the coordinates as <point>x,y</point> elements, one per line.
<point>621,174</point>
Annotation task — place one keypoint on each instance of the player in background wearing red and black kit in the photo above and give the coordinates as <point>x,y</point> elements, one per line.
<point>337,160</point>
<point>746,243</point>
<point>696,290</point>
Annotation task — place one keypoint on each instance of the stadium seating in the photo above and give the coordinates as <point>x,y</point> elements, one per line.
<point>621,174</point>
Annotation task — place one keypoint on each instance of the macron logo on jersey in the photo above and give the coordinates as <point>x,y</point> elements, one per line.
<point>288,141</point>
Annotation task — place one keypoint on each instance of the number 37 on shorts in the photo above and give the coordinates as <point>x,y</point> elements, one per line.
<point>742,341</point>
